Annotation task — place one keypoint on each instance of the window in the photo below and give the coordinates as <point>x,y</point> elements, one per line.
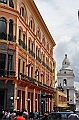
<point>38,34</point>
<point>32,46</point>
<point>29,44</point>
<point>19,34</point>
<point>47,46</point>
<point>10,61</point>
<point>23,66</point>
<point>32,25</point>
<point>11,27</point>
<point>2,61</point>
<point>2,25</point>
<point>22,11</point>
<point>43,41</point>
<point>19,62</point>
<point>11,3</point>
<point>24,38</point>
<point>65,82</point>
<point>3,1</point>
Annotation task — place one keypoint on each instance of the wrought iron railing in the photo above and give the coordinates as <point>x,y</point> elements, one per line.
<point>37,58</point>
<point>31,52</point>
<point>22,44</point>
<point>11,38</point>
<point>3,36</point>
<point>4,73</point>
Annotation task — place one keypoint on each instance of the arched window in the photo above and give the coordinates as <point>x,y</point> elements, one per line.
<point>38,34</point>
<point>43,41</point>
<point>32,25</point>
<point>2,25</point>
<point>65,82</point>
<point>11,3</point>
<point>22,11</point>
<point>11,27</point>
<point>47,46</point>
<point>3,1</point>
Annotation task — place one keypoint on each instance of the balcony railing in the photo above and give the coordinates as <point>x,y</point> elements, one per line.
<point>22,44</point>
<point>31,52</point>
<point>11,38</point>
<point>3,36</point>
<point>37,58</point>
<point>43,64</point>
<point>4,73</point>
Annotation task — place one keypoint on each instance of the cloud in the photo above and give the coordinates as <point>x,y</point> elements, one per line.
<point>61,19</point>
<point>76,84</point>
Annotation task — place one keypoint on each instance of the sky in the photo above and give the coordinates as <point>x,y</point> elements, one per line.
<point>61,18</point>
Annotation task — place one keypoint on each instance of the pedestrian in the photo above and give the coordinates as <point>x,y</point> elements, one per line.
<point>25,114</point>
<point>45,116</point>
<point>7,114</point>
<point>73,116</point>
<point>13,114</point>
<point>2,116</point>
<point>19,117</point>
<point>31,115</point>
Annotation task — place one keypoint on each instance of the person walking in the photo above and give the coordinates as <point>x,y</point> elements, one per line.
<point>73,116</point>
<point>2,116</point>
<point>19,117</point>
<point>45,116</point>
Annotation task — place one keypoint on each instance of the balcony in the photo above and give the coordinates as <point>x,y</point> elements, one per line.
<point>39,83</point>
<point>5,73</point>
<point>37,58</point>
<point>22,44</point>
<point>3,36</point>
<point>31,52</point>
<point>43,64</point>
<point>11,38</point>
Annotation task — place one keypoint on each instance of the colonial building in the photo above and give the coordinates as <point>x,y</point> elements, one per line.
<point>27,66</point>
<point>65,79</point>
<point>77,99</point>
<point>60,100</point>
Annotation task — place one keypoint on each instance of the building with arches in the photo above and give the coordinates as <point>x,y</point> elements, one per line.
<point>27,66</point>
<point>65,79</point>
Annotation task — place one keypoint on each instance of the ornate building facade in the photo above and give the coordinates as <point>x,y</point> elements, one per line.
<point>27,66</point>
<point>65,78</point>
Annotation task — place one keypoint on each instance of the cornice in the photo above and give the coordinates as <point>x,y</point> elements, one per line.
<point>33,8</point>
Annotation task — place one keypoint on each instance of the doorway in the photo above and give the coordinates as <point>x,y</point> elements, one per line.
<point>2,95</point>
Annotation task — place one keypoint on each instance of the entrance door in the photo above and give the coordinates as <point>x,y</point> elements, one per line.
<point>2,93</point>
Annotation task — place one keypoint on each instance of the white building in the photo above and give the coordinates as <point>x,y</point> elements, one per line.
<point>65,78</point>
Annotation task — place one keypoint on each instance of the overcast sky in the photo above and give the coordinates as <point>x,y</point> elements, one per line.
<point>61,18</point>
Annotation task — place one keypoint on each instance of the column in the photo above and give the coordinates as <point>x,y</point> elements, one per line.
<point>34,101</point>
<point>26,97</point>
<point>21,101</point>
<point>8,2</point>
<point>17,31</point>
<point>14,29</point>
<point>49,104</point>
<point>37,103</point>
<point>7,29</point>
<point>15,96</point>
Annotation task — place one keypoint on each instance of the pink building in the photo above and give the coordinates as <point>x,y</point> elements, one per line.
<point>27,66</point>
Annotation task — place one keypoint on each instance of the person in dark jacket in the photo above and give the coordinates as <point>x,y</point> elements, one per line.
<point>45,116</point>
<point>2,116</point>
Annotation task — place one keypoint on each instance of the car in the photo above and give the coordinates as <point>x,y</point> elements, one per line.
<point>59,115</point>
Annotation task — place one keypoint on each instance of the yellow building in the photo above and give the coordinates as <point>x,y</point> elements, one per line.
<point>60,100</point>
